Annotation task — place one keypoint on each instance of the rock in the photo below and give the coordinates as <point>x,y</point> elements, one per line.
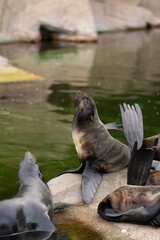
<point>67,189</point>
<point>4,62</point>
<point>9,73</point>
<point>123,15</point>
<point>73,20</point>
<point>26,17</point>
<point>153,6</point>
<point>69,185</point>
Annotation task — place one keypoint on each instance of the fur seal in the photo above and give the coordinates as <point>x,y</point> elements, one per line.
<point>97,150</point>
<point>154,178</point>
<point>134,204</point>
<point>143,150</point>
<point>31,209</point>
<point>149,142</point>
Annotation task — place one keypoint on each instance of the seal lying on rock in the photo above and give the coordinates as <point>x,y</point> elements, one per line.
<point>31,209</point>
<point>154,178</point>
<point>134,204</point>
<point>97,150</point>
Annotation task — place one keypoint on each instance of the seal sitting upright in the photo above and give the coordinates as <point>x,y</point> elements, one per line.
<point>97,150</point>
<point>31,209</point>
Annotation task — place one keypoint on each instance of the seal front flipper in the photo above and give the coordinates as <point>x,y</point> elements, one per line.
<point>80,169</point>
<point>140,164</point>
<point>91,179</point>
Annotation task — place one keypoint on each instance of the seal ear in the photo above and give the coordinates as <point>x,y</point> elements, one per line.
<point>140,164</point>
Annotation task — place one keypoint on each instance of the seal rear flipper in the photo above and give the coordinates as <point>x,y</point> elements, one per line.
<point>132,121</point>
<point>140,164</point>
<point>80,169</point>
<point>91,179</point>
<point>113,126</point>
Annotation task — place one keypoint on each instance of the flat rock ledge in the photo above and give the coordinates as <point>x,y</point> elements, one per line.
<point>67,189</point>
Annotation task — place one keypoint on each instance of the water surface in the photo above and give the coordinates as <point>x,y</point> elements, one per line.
<point>37,116</point>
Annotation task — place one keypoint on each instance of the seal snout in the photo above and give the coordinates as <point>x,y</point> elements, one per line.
<point>28,156</point>
<point>78,97</point>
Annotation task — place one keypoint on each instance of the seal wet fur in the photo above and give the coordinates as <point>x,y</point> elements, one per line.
<point>97,150</point>
<point>31,209</point>
<point>134,204</point>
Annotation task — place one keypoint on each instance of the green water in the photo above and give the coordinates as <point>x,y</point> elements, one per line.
<point>37,116</point>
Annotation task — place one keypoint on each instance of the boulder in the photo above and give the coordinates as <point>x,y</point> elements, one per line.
<point>24,19</point>
<point>67,189</point>
<point>69,185</point>
<point>73,20</point>
<point>4,62</point>
<point>124,15</point>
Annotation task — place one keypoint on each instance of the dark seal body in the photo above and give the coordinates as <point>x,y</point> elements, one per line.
<point>92,140</point>
<point>31,209</point>
<point>135,204</point>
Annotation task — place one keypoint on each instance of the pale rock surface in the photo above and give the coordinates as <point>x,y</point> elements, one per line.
<point>67,189</point>
<point>25,18</point>
<point>123,15</point>
<point>69,185</point>
<point>4,62</point>
<point>74,20</point>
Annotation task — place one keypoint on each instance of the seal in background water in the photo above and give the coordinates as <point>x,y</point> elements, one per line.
<point>31,209</point>
<point>97,150</point>
<point>134,204</point>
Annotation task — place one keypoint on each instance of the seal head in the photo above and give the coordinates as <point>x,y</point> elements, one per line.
<point>31,209</point>
<point>135,204</point>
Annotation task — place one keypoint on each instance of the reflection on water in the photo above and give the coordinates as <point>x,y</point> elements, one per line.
<point>37,116</point>
<point>37,235</point>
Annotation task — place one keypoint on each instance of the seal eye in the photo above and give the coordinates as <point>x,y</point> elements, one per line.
<point>87,103</point>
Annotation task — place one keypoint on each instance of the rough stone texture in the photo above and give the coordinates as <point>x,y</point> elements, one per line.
<point>23,19</point>
<point>121,14</point>
<point>4,62</point>
<point>69,185</point>
<point>67,189</point>
<point>74,20</point>
<point>153,6</point>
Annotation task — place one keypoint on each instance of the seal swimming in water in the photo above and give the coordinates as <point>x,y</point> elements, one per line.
<point>97,150</point>
<point>31,209</point>
<point>134,204</point>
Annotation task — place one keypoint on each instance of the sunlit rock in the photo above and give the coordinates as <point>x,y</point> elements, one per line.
<point>122,15</point>
<point>4,62</point>
<point>71,17</point>
<point>73,20</point>
<point>67,188</point>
